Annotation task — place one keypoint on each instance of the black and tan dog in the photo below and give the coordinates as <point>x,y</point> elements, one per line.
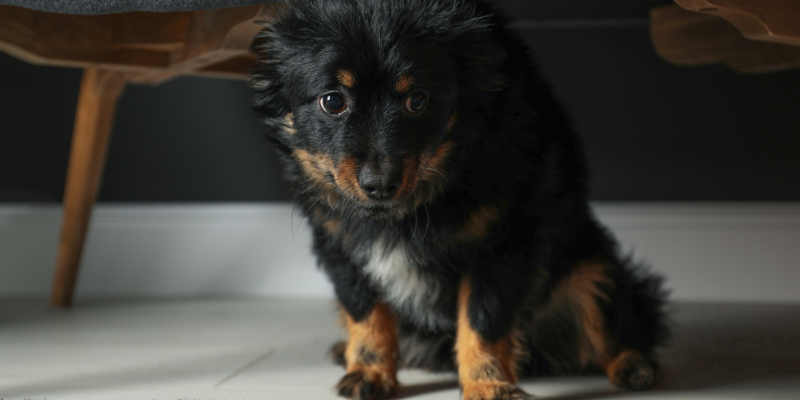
<point>448,198</point>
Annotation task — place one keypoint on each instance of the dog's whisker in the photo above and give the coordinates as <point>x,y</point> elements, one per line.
<point>350,211</point>
<point>435,170</point>
<point>427,217</point>
<point>311,207</point>
<point>299,224</point>
<point>332,208</point>
<point>294,206</point>
<point>310,187</point>
<point>416,219</point>
<point>291,221</point>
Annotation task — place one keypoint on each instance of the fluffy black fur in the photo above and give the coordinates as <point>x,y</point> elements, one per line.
<point>499,193</point>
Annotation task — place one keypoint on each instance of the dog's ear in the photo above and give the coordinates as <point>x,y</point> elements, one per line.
<point>478,61</point>
<point>269,100</point>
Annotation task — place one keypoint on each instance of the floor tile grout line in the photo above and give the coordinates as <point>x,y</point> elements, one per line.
<point>245,367</point>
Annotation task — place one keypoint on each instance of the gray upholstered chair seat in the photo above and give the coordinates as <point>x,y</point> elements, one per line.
<point>118,6</point>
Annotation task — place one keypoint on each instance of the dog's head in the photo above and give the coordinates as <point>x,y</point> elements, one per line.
<point>364,97</point>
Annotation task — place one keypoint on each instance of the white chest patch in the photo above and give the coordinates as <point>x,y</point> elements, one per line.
<point>403,285</point>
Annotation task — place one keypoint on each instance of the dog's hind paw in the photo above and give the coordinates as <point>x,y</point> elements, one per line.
<point>361,385</point>
<point>633,371</point>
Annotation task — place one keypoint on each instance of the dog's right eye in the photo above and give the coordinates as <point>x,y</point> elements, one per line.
<point>332,103</point>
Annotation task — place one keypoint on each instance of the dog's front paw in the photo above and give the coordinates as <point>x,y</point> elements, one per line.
<point>495,391</point>
<point>336,353</point>
<point>364,384</point>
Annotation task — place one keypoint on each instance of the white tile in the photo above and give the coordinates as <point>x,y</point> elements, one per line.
<point>275,349</point>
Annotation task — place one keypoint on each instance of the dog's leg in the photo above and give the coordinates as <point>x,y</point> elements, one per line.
<point>486,371</point>
<point>371,356</point>
<point>588,289</point>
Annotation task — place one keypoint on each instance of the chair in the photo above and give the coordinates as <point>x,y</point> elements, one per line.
<point>117,46</point>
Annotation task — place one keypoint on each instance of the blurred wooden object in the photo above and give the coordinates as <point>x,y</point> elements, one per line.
<point>97,103</point>
<point>691,38</point>
<point>765,20</point>
<point>115,49</point>
<point>152,46</point>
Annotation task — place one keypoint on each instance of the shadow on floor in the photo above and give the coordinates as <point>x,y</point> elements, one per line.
<point>717,346</point>
<point>410,391</point>
<point>714,347</point>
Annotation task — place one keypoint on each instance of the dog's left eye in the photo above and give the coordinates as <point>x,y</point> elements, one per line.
<point>417,101</point>
<point>333,103</point>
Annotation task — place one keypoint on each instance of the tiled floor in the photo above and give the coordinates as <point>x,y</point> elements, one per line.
<point>275,349</point>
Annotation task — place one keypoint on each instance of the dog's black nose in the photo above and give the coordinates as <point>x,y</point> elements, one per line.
<point>380,184</point>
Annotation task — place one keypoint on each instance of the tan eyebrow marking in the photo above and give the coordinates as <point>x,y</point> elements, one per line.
<point>404,83</point>
<point>346,78</point>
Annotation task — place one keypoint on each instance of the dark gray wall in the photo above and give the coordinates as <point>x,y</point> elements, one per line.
<point>191,139</point>
<point>653,131</point>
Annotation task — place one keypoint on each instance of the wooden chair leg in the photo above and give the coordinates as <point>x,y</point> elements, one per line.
<point>97,103</point>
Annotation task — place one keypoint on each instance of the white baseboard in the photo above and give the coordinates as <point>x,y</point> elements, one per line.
<point>710,252</point>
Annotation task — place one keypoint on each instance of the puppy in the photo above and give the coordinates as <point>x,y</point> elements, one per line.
<point>448,198</point>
